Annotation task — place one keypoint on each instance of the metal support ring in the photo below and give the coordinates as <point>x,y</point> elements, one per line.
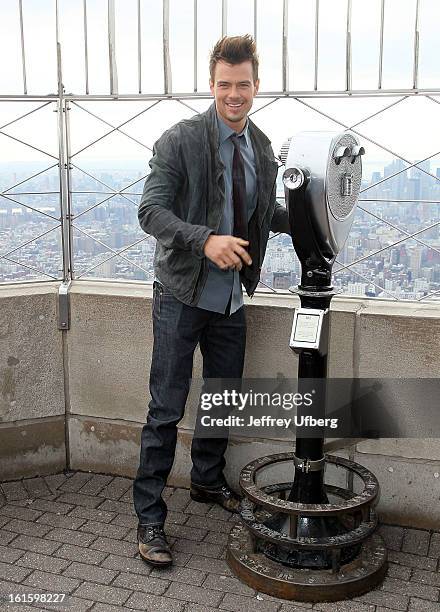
<point>255,569</point>
<point>357,535</point>
<point>364,499</point>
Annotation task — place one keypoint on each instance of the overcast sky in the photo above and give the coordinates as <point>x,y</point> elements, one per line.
<point>410,128</point>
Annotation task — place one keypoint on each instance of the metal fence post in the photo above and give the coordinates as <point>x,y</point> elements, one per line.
<point>65,217</point>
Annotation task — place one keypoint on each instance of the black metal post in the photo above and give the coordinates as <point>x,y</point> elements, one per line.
<point>315,292</point>
<point>319,544</point>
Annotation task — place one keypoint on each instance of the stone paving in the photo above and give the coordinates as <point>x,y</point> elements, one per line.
<point>75,534</point>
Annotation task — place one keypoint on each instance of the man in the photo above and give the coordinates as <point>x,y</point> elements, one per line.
<point>209,200</point>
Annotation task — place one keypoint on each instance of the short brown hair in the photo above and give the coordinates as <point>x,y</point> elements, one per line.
<point>234,50</point>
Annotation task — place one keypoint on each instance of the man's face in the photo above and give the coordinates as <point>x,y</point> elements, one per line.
<point>234,89</point>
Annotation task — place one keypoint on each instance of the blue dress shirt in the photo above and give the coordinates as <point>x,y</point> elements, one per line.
<point>221,283</point>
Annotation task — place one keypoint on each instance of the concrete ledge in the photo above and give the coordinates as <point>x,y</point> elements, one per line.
<point>31,360</point>
<point>402,346</point>
<point>32,448</point>
<point>107,356</point>
<point>413,448</point>
<point>104,446</point>
<point>410,490</point>
<point>112,447</point>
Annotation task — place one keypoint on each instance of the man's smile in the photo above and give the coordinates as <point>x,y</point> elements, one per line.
<point>234,106</point>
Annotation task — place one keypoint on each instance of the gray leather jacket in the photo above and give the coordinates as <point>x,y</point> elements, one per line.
<point>183,198</point>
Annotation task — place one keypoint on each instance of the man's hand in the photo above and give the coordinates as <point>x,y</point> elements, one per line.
<point>227,252</point>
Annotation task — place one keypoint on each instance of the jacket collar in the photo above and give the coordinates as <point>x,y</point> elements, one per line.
<point>255,133</point>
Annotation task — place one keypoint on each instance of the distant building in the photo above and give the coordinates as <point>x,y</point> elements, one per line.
<point>421,284</point>
<point>356,288</point>
<point>283,280</point>
<point>415,262</point>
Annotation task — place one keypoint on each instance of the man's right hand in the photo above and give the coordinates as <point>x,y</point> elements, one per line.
<point>227,252</point>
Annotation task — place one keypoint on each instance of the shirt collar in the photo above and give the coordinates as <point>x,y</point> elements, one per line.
<point>225,131</point>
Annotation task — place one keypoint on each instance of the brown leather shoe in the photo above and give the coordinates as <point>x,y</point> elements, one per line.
<point>224,496</point>
<point>153,546</point>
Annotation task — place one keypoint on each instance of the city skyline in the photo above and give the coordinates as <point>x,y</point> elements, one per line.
<point>408,270</point>
<point>359,66</point>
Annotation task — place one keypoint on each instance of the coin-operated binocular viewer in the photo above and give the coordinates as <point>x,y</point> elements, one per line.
<point>305,539</point>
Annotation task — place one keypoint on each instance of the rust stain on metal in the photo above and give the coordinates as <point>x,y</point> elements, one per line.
<point>359,576</point>
<point>347,563</point>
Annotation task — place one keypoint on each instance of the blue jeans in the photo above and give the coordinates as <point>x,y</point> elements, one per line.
<point>177,329</point>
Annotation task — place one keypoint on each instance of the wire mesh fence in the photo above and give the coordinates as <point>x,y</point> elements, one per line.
<point>68,205</point>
